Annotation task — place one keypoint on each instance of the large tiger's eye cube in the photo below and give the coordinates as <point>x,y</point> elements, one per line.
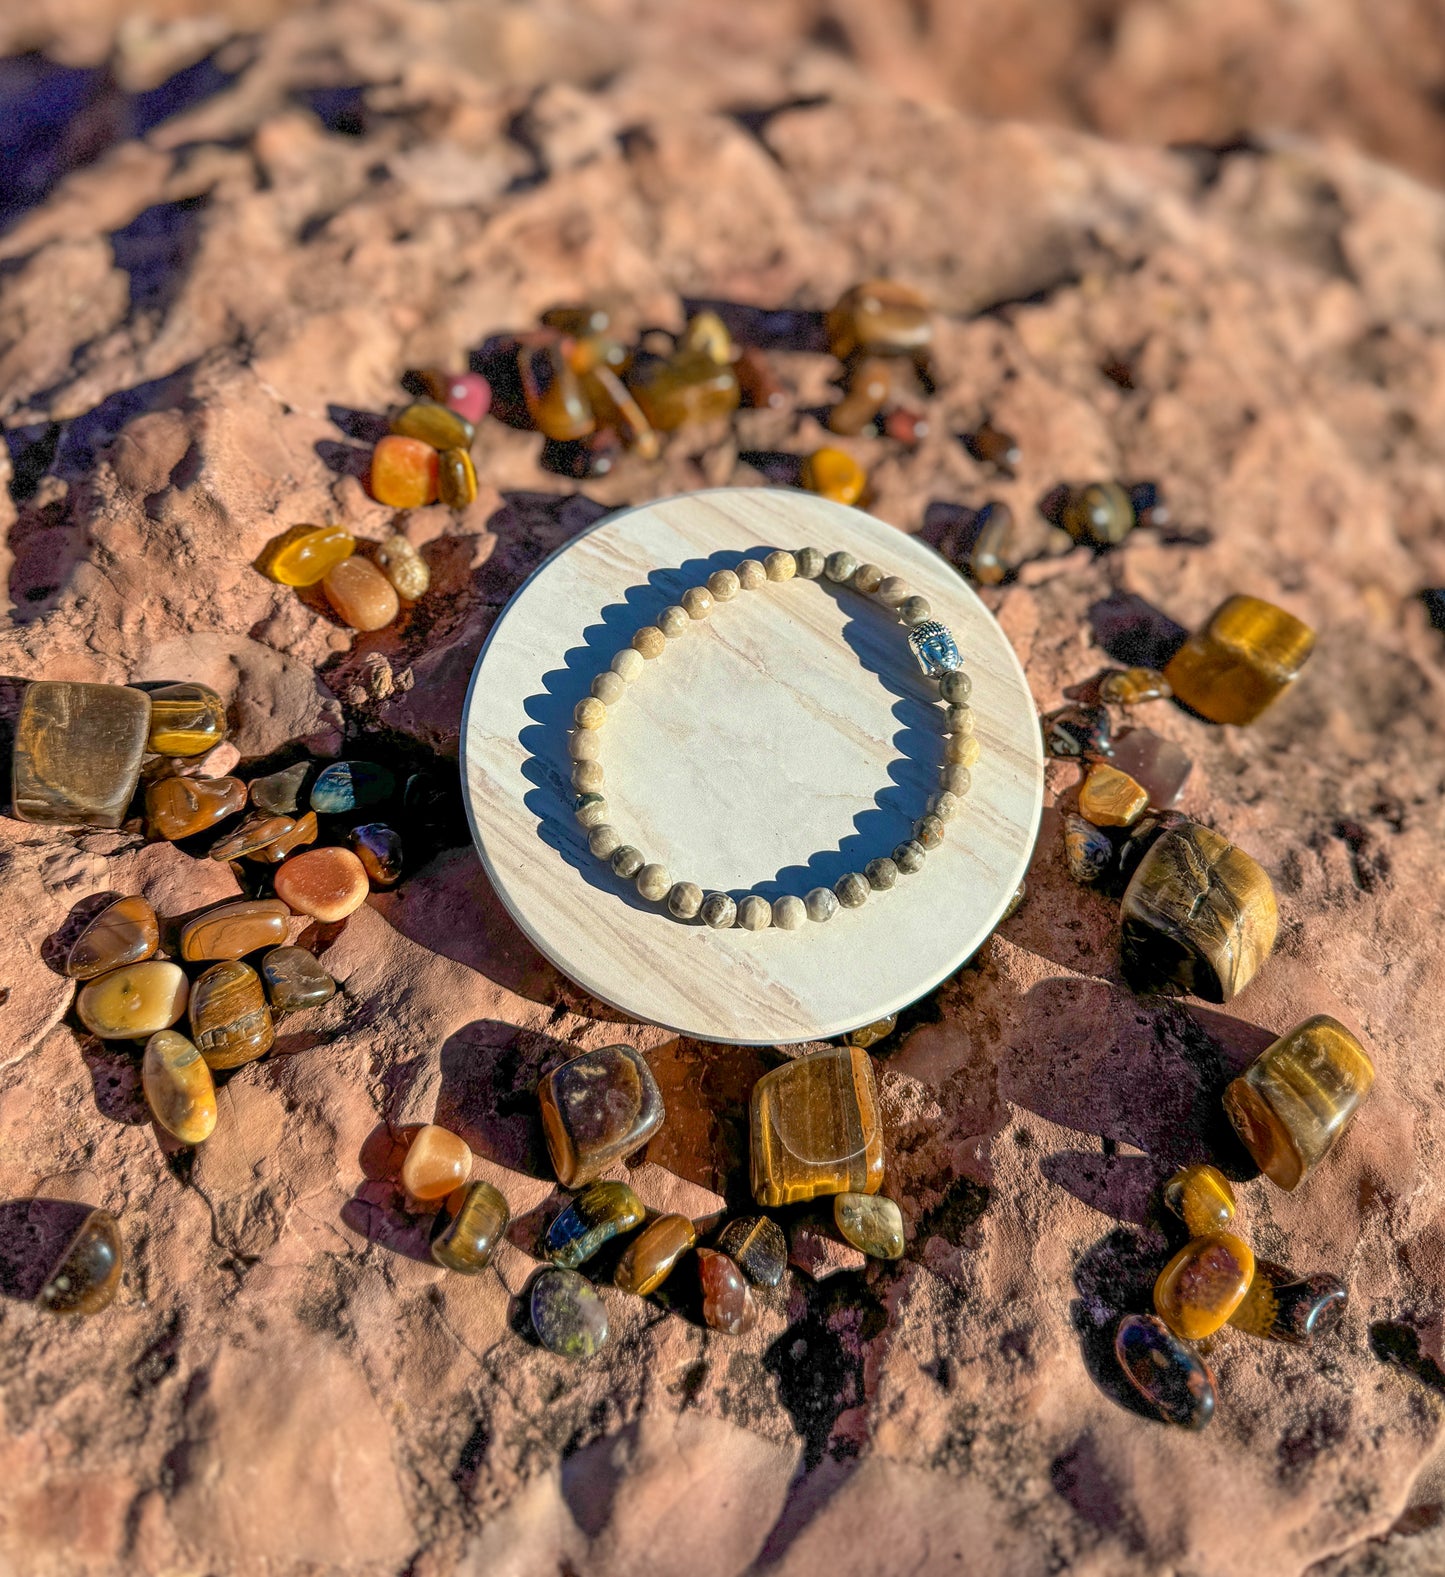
<point>78,750</point>
<point>1240,661</point>
<point>597,1108</point>
<point>815,1128</point>
<point>1199,915</point>
<point>1298,1096</point>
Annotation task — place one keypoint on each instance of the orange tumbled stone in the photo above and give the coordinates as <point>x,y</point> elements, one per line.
<point>361,594</point>
<point>437,1161</point>
<point>302,555</point>
<point>403,472</point>
<point>1204,1284</point>
<point>328,884</point>
<point>835,474</point>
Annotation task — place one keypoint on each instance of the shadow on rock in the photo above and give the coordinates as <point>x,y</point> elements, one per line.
<point>34,1233</point>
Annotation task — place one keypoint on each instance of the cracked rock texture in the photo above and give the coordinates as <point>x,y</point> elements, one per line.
<point>220,255</point>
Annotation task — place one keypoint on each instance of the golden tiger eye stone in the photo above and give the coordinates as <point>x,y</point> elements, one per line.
<point>328,884</point>
<point>688,387</point>
<point>134,1002</point>
<point>230,1020</point>
<point>1281,1306</point>
<point>1132,686</point>
<point>994,553</point>
<point>303,555</point>
<point>1102,513</point>
<point>434,424</point>
<point>403,472</point>
<point>77,752</point>
<point>1247,654</point>
<point>297,835</point>
<point>178,1087</point>
<point>597,1108</point>
<point>553,392</point>
<point>815,1128</point>
<point>125,933</point>
<point>652,1255</point>
<point>294,980</point>
<point>1110,798</point>
<point>468,1230</point>
<point>181,807</point>
<point>1298,1096</point>
<point>1203,1284</point>
<point>1199,915</point>
<point>835,474</point>
<point>88,1275</point>
<point>437,1162</point>
<point>256,833</point>
<point>186,720</point>
<point>361,595</point>
<point>456,479</point>
<point>880,317</point>
<point>1202,1198</point>
<point>616,408</point>
<point>231,930</point>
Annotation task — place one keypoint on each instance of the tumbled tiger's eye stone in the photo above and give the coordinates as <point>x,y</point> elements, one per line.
<point>403,473</point>
<point>757,1246</point>
<point>1079,732</point>
<point>303,554</point>
<point>351,785</point>
<point>88,1274</point>
<point>255,833</point>
<point>869,386</point>
<point>1199,915</point>
<point>467,1232</point>
<point>760,386</point>
<point>1202,1198</point>
<point>568,1315</point>
<point>295,980</point>
<point>652,1255</point>
<point>124,933</point>
<point>1101,512</point>
<point>433,424</point>
<point>181,807</point>
<point>278,792</point>
<point>1171,1377</point>
<point>597,1108</point>
<point>727,1300</point>
<point>1133,686</point>
<point>1284,1307</point>
<point>231,930</point>
<point>880,317</point>
<point>1203,1284</point>
<point>328,884</point>
<point>994,446</point>
<point>1296,1098</point>
<point>1247,654</point>
<point>133,1002</point>
<point>1087,849</point>
<point>300,831</point>
<point>872,1223</point>
<point>596,1216</point>
<point>230,1021</point>
<point>456,479</point>
<point>815,1128</point>
<point>1156,764</point>
<point>834,474</point>
<point>993,556</point>
<point>379,850</point>
<point>186,720</point>
<point>437,1162</point>
<point>1111,798</point>
<point>77,752</point>
<point>360,594</point>
<point>553,391</point>
<point>178,1087</point>
<point>688,387</point>
<point>870,1034</point>
<point>618,411</point>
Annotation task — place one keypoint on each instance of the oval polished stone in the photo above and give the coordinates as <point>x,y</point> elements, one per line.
<point>379,850</point>
<point>433,424</point>
<point>295,980</point>
<point>688,387</point>
<point>351,785</point>
<point>278,792</point>
<point>1088,852</point>
<point>456,480</point>
<point>467,1232</point>
<point>568,1313</point>
<point>872,1223</point>
<point>553,392</point>
<point>1079,732</point>
<point>1133,686</point>
<point>835,474</point>
<point>653,1254</point>
<point>595,1216</point>
<point>1101,513</point>
<point>328,884</point>
<point>125,933</point>
<point>1166,1372</point>
<point>756,1245</point>
<point>231,930</point>
<point>1203,1284</point>
<point>1202,1198</point>
<point>178,1087</point>
<point>437,1162</point>
<point>727,1300</point>
<point>257,831</point>
<point>181,807</point>
<point>77,753</point>
<point>597,1108</point>
<point>303,555</point>
<point>87,1276</point>
<point>403,472</point>
<point>1282,1306</point>
<point>361,595</point>
<point>230,1021</point>
<point>881,317</point>
<point>186,720</point>
<point>131,1003</point>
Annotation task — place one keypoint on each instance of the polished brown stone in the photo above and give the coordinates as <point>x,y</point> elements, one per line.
<point>88,1274</point>
<point>758,383</point>
<point>256,833</point>
<point>727,1300</point>
<point>618,411</point>
<point>77,752</point>
<point>230,1021</point>
<point>688,387</point>
<point>815,1128</point>
<point>360,594</point>
<point>553,391</point>
<point>125,933</point>
<point>134,1002</point>
<point>597,1215</point>
<point>1202,1198</point>
<point>295,980</point>
<point>302,831</point>
<point>231,930</point>
<point>181,807</point>
<point>880,317</point>
<point>870,1034</point>
<point>994,554</point>
<point>872,1223</point>
<point>653,1254</point>
<point>433,424</point>
<point>1111,798</point>
<point>1203,1284</point>
<point>178,1087</point>
<point>1133,686</point>
<point>1102,513</point>
<point>186,720</point>
<point>327,884</point>
<point>378,848</point>
<point>469,1229</point>
<point>1247,655</point>
<point>597,1108</point>
<point>757,1246</point>
<point>456,484</point>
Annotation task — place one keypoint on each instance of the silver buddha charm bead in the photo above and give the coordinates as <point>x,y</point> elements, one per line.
<point>933,645</point>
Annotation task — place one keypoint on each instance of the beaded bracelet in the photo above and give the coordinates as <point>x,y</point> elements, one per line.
<point>938,656</point>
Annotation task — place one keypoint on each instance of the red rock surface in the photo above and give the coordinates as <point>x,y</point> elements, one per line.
<point>190,322</point>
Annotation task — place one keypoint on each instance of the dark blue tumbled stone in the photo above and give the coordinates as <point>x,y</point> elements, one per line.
<point>348,785</point>
<point>1167,1372</point>
<point>596,1215</point>
<point>568,1314</point>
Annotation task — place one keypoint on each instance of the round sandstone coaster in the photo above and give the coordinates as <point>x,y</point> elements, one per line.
<point>774,746</point>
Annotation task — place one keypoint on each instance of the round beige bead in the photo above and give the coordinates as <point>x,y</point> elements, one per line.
<point>809,563</point>
<point>944,805</point>
<point>961,748</point>
<point>673,621</point>
<point>627,664</point>
<point>627,861</point>
<point>960,720</point>
<point>955,687</point>
<point>684,901</point>
<point>609,688</point>
<point>724,585</point>
<point>928,830</point>
<point>908,857</point>
<point>821,904</point>
<point>754,913</point>
<point>649,641</point>
<point>840,566</point>
<point>604,841</point>
<point>751,575</point>
<point>789,913</point>
<point>867,578</point>
<point>698,601</point>
<point>956,779</point>
<point>591,810</point>
<point>719,911</point>
<point>589,712</point>
<point>892,590</point>
<point>852,890</point>
<point>914,610</point>
<point>587,776</point>
<point>780,565</point>
<point>584,745</point>
<point>653,882</point>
